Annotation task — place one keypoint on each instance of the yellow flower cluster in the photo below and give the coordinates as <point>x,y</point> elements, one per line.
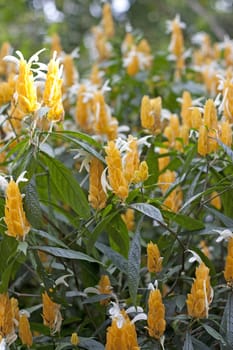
<point>150,113</point>
<point>104,32</point>
<point>156,315</point>
<point>154,260</point>
<point>123,337</point>
<point>199,299</point>
<point>93,114</point>
<point>15,218</point>
<point>51,314</point>
<point>228,272</point>
<point>11,320</point>
<point>104,287</point>
<point>136,56</point>
<point>97,197</point>
<point>122,175</point>
<point>52,96</point>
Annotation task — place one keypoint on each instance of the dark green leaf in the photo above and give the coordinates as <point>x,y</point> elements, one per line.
<point>188,342</point>
<point>66,186</point>
<point>184,221</point>
<point>32,205</point>
<point>65,253</point>
<point>211,331</point>
<point>99,229</point>
<point>227,321</point>
<point>134,262</point>
<point>118,235</point>
<point>149,210</point>
<point>117,259</point>
<point>49,237</point>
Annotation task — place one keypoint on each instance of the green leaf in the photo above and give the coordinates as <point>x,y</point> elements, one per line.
<point>117,259</point>
<point>118,235</point>
<point>32,205</point>
<point>184,221</point>
<point>66,185</point>
<point>149,210</point>
<point>49,237</point>
<point>152,162</point>
<point>188,345</point>
<point>211,331</point>
<point>96,298</point>
<point>227,321</point>
<point>65,253</point>
<point>99,229</point>
<point>134,262</point>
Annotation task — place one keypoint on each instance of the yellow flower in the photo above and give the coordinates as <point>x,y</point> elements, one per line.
<point>97,197</point>
<point>51,314</point>
<point>226,133</point>
<point>116,176</point>
<point>228,272</point>
<point>154,260</point>
<point>104,287</point>
<point>156,315</point>
<point>70,73</point>
<point>25,89</point>
<point>52,96</point>
<point>150,113</point>
<point>7,329</point>
<point>199,299</point>
<point>141,174</point>
<point>202,145</point>
<point>15,218</point>
<point>196,118</point>
<point>74,339</point>
<point>24,329</point>
<point>131,159</point>
<point>128,218</point>
<point>210,115</point>
<point>56,44</point>
<point>215,200</point>
<point>122,335</point>
<point>107,21</point>
<point>186,111</point>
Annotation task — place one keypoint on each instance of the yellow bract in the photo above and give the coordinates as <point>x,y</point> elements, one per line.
<point>52,96</point>
<point>25,89</point>
<point>51,314</point>
<point>156,315</point>
<point>15,218</point>
<point>154,260</point>
<point>228,272</point>
<point>97,197</point>
<point>124,337</point>
<point>201,294</point>
<point>24,330</point>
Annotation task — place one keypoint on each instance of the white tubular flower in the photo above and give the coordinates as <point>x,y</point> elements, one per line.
<point>3,344</point>
<point>223,235</point>
<point>195,257</point>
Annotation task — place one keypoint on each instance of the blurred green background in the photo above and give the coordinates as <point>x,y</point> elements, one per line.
<point>27,24</point>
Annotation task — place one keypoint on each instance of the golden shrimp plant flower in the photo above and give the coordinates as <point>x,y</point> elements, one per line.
<point>122,332</point>
<point>97,197</point>
<point>228,272</point>
<point>25,333</point>
<point>154,260</point>
<point>15,217</point>
<point>51,314</point>
<point>201,295</point>
<point>25,89</point>
<point>52,96</point>
<point>156,314</point>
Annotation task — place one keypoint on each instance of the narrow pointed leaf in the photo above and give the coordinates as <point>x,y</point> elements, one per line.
<point>134,262</point>
<point>66,253</point>
<point>149,210</point>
